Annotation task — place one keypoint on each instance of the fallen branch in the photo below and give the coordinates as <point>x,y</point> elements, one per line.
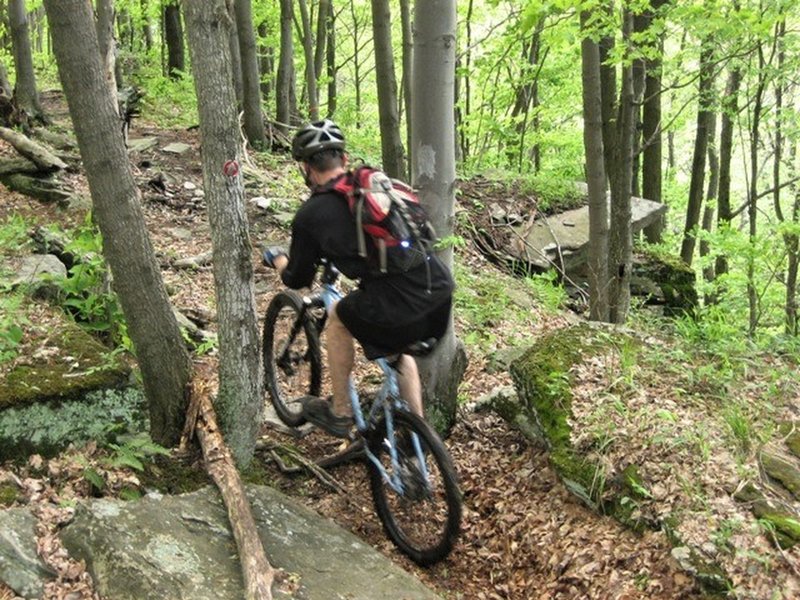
<point>258,573</point>
<point>36,153</point>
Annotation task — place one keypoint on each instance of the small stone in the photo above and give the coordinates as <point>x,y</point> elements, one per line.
<point>181,233</point>
<point>262,202</point>
<point>188,185</point>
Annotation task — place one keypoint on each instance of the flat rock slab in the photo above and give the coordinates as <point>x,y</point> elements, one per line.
<point>177,547</point>
<point>565,236</point>
<point>141,144</point>
<point>176,148</point>
<point>20,566</point>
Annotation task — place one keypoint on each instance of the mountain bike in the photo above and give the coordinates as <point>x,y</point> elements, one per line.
<point>412,478</point>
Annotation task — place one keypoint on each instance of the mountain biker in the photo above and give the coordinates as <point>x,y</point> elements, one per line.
<point>386,313</point>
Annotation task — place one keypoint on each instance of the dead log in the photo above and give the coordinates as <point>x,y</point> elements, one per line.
<point>46,190</point>
<point>36,153</point>
<point>258,573</point>
<point>9,166</point>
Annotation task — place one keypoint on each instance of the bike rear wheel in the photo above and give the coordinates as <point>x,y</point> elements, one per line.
<point>291,355</point>
<point>423,520</point>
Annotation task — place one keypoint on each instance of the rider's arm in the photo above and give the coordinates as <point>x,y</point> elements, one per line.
<point>301,265</point>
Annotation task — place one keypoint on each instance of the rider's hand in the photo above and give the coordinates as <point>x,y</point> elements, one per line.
<point>269,255</point>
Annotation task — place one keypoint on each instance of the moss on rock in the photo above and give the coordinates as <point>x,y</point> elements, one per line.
<point>674,278</point>
<point>8,494</point>
<point>74,364</point>
<point>784,523</point>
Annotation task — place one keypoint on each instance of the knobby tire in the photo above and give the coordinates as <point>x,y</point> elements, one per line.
<point>439,514</point>
<point>301,373</point>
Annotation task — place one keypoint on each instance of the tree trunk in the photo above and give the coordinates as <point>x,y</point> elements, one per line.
<point>711,193</point>
<point>391,143</point>
<point>434,174</point>
<point>651,135</point>
<point>173,34</point>
<point>240,398</point>
<point>752,194</point>
<point>251,78</point>
<point>283,91</point>
<point>147,26</point>
<point>405,20</point>
<point>608,89</point>
<point>308,52</point>
<point>356,62</point>
<point>330,60</point>
<point>5,84</point>
<point>105,38</point>
<point>25,93</point>
<point>620,240</point>
<point>729,112</point>
<point>266,64</point>
<point>160,349</point>
<point>322,37</point>
<point>696,185</point>
<point>595,177</point>
<point>235,56</point>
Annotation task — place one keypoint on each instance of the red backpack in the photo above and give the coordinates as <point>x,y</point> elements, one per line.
<point>389,213</point>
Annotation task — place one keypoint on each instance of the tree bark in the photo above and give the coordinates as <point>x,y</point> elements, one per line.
<point>729,111</point>
<point>652,172</point>
<point>105,38</point>
<point>5,84</point>
<point>711,193</point>
<point>25,93</point>
<point>595,178</point>
<point>434,173</point>
<point>322,37</point>
<point>330,60</point>
<point>696,185</point>
<point>235,56</point>
<point>620,240</point>
<point>285,81</point>
<point>405,20</point>
<point>173,35</point>
<point>391,143</point>
<point>240,397</point>
<point>608,88</point>
<point>308,52</point>
<point>160,349</point>
<point>266,64</point>
<point>752,194</point>
<point>257,573</point>
<point>251,78</point>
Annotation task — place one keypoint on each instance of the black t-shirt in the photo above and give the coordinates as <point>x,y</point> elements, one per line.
<point>324,227</point>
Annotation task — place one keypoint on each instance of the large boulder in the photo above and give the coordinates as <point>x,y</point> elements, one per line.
<point>181,547</point>
<point>20,567</point>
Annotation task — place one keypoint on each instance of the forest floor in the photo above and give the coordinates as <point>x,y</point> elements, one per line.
<point>524,535</point>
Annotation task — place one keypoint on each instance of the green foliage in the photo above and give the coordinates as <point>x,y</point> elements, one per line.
<point>134,451</point>
<point>548,290</point>
<point>11,319</point>
<point>168,102</point>
<point>483,301</point>
<point>13,233</point>
<point>86,292</point>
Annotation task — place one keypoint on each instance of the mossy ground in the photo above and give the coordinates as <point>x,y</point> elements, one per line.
<point>64,362</point>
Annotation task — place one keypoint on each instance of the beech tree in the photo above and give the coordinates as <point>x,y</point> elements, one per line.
<point>160,349</point>
<point>25,93</point>
<point>433,174</point>
<point>595,173</point>
<point>285,79</point>
<point>251,79</point>
<point>173,37</point>
<point>240,400</point>
<point>391,142</point>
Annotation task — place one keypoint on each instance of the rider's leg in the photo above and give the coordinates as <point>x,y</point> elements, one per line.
<point>341,355</point>
<point>408,381</point>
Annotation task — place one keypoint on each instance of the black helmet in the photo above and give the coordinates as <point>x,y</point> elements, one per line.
<point>315,137</point>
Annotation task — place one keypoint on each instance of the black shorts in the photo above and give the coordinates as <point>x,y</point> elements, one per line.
<point>381,340</point>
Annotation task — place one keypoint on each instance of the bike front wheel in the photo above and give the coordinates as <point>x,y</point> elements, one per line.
<point>417,496</point>
<point>291,355</point>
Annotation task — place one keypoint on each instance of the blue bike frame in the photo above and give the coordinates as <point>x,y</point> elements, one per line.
<point>330,294</point>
